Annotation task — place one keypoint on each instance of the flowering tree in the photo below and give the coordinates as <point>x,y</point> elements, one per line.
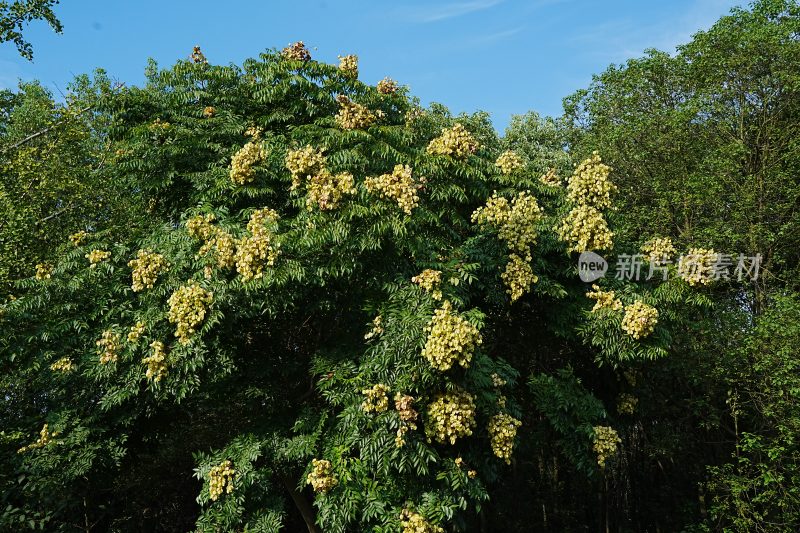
<point>327,316</point>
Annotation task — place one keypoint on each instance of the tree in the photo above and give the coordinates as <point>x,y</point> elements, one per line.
<point>53,180</point>
<point>14,18</point>
<point>327,316</point>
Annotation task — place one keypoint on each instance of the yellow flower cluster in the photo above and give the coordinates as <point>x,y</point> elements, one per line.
<point>450,339</point>
<point>550,178</point>
<point>296,52</point>
<point>258,249</point>
<point>626,403</point>
<point>590,185</point>
<point>509,162</point>
<point>515,221</point>
<point>429,280</point>
<point>412,522</point>
<point>497,381</point>
<point>659,249</point>
<point>326,190</point>
<point>43,271</point>
<point>450,416</point>
<point>209,111</point>
<point>220,480</point>
<point>518,277</point>
<point>387,86</point>
<point>156,362</point>
<point>400,186</point>
<point>244,162</point>
<point>377,328</point>
<point>187,309</point>
<point>585,228</point>
<point>376,399</point>
<point>45,438</point>
<point>456,142</point>
<point>604,299</point>
<point>304,163</point>
<point>640,319</point>
<point>146,268</point>
<point>353,116</point>
<point>109,347</point>
<point>697,266</point>
<point>503,430</point>
<point>97,256</point>
<point>198,56</point>
<point>79,237</point>
<point>64,365</point>
<point>413,114</point>
<point>349,65</point>
<point>605,445</point>
<point>589,191</point>
<point>136,331</point>
<point>200,226</point>
<point>159,125</point>
<point>222,245</point>
<point>403,403</point>
<point>321,476</point>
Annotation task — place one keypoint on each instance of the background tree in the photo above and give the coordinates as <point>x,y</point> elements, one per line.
<point>19,13</point>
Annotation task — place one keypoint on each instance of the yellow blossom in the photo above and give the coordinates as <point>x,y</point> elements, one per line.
<point>304,163</point>
<point>187,309</point>
<point>326,190</point>
<point>509,162</point>
<point>43,271</point>
<point>258,250</point>
<point>321,476</point>
<point>606,441</point>
<point>658,250</point>
<point>79,238</point>
<point>353,116</point>
<point>604,299</point>
<point>156,362</point>
<point>399,186</point>
<point>429,281</point>
<point>518,277</point>
<point>626,403</point>
<point>135,332</point>
<point>244,162</point>
<point>503,430</point>
<point>97,256</point>
<point>64,365</point>
<point>412,522</point>
<point>514,221</point>
<point>220,480</point>
<point>450,416</point>
<point>456,142</point>
<point>387,86</point>
<point>697,266</point>
<point>349,65</point>
<point>640,319</point>
<point>550,178</point>
<point>45,438</point>
<point>377,328</point>
<point>109,347</point>
<point>451,339</point>
<point>209,111</point>
<point>146,268</point>
<point>296,52</point>
<point>376,399</point>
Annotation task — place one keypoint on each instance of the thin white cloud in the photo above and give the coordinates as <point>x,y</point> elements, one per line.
<point>436,13</point>
<point>498,36</point>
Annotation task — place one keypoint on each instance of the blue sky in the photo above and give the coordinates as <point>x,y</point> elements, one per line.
<point>502,56</point>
